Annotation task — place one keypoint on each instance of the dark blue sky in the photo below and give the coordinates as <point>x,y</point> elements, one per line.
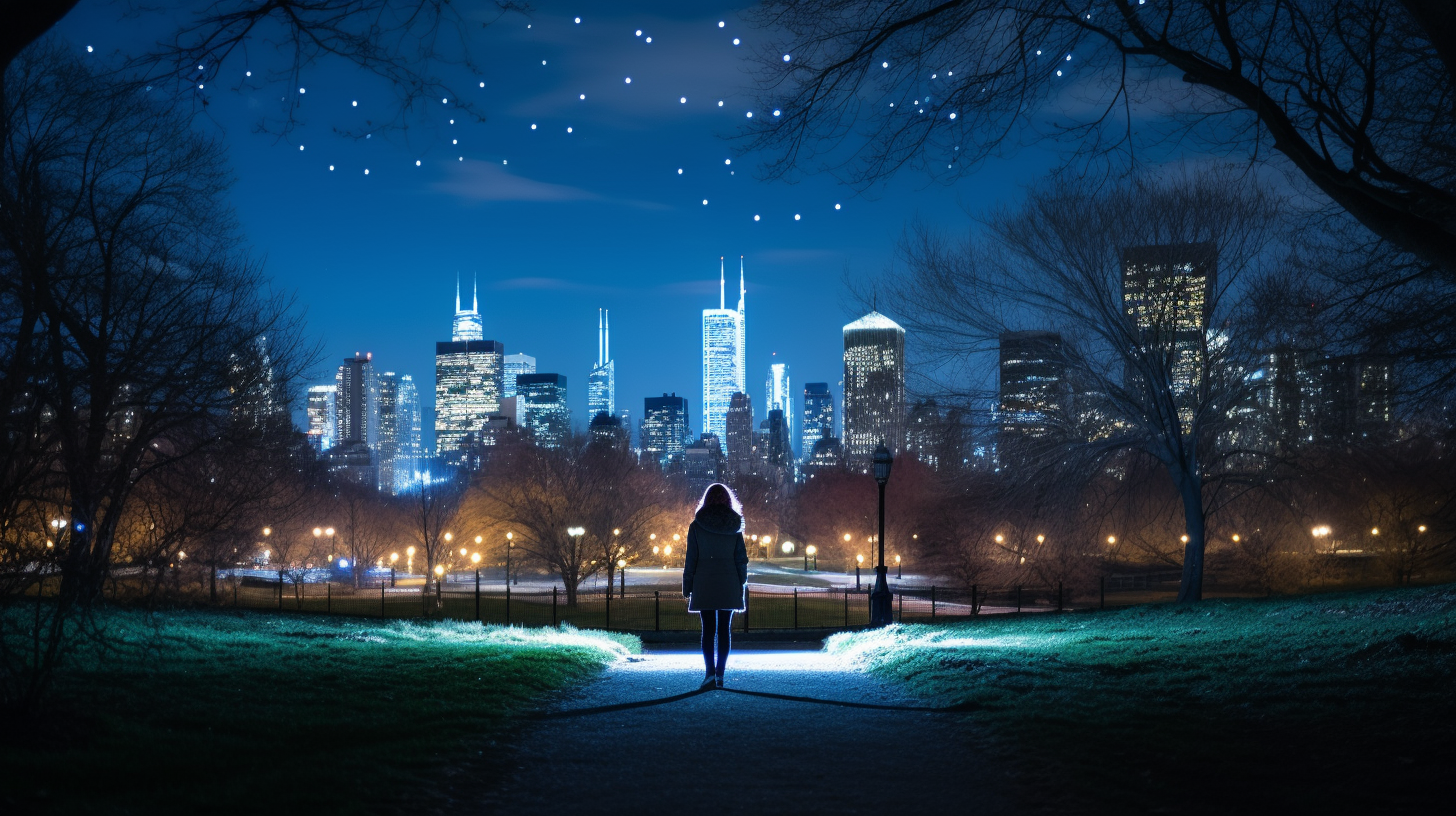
<point>557,224</point>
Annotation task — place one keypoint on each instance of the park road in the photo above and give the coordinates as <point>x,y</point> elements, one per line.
<point>728,753</point>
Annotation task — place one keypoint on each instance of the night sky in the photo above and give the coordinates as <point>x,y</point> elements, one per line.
<point>557,224</point>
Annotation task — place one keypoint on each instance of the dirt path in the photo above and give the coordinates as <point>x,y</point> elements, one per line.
<point>730,753</point>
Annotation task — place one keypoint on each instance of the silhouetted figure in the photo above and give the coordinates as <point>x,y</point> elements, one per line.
<point>715,573</point>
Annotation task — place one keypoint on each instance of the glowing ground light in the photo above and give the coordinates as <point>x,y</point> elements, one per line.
<point>720,103</point>
<point>884,65</point>
<point>331,168</point>
<point>581,96</point>
<point>750,114</point>
<point>727,161</point>
<point>639,32</point>
<point>355,103</point>
<point>444,101</point>
<point>777,111</point>
<point>649,39</point>
<point>303,90</point>
<point>366,171</point>
<point>952,116</point>
<point>300,147</point>
<point>482,84</point>
<point>1059,73</point>
<point>578,21</point>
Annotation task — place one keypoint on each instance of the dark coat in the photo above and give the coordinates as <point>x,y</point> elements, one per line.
<point>715,572</point>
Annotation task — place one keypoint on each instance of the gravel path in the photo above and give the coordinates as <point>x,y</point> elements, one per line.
<point>725,753</point>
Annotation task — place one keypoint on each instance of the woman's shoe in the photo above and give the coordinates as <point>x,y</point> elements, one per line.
<point>708,682</point>
<point>720,681</point>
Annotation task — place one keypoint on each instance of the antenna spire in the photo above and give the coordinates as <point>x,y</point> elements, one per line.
<point>457,293</point>
<point>606,336</point>
<point>722,300</point>
<point>599,337</point>
<point>475,292</point>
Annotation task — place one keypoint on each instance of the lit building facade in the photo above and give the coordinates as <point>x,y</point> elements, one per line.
<point>467,325</point>
<point>724,356</point>
<point>323,416</point>
<point>1167,293</point>
<point>468,376</point>
<point>741,453</point>
<point>601,384</point>
<point>778,396</point>
<point>818,421</point>
<point>1033,383</point>
<point>515,366</point>
<point>874,388</point>
<point>542,400</point>
<point>357,401</point>
<point>664,428</point>
<point>398,450</point>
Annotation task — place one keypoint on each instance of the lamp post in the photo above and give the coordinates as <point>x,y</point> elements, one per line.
<point>881,609</point>
<point>899,569</point>
<point>858,560</point>
<point>622,571</point>
<point>814,551</point>
<point>510,545</point>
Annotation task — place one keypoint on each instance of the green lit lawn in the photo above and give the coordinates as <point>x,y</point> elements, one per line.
<point>254,713</point>
<point>1332,703</point>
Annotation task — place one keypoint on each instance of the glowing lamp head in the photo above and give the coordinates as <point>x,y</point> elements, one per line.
<point>393,557</point>
<point>343,563</point>
<point>616,532</point>
<point>1000,539</point>
<point>1421,529</point>
<point>318,531</point>
<point>475,559</point>
<point>1041,539</point>
<point>410,550</point>
<point>462,552</point>
<point>811,549</point>
<point>859,559</point>
<point>656,549</point>
<point>181,555</point>
<point>1183,538</point>
<point>897,559</point>
<point>676,537</point>
<point>439,569</point>
<point>510,536</point>
<point>1374,531</point>
<point>1112,539</point>
<point>1236,538</point>
<point>652,537</point>
<point>267,531</point>
<point>449,537</point>
<point>479,539</point>
<point>846,536</point>
<point>328,531</point>
<point>621,563</point>
<point>667,550</point>
<point>787,547</point>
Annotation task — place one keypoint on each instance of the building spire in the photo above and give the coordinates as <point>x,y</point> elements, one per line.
<point>475,293</point>
<point>457,293</point>
<point>599,338</point>
<point>740,284</point>
<point>606,336</point>
<point>722,300</point>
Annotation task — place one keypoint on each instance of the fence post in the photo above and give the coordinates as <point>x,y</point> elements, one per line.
<point>657,610</point>
<point>1059,596</point>
<point>477,594</point>
<point>1102,592</point>
<point>932,602</point>
<point>975,602</point>
<point>508,604</point>
<point>1018,599</point>
<point>553,605</point>
<point>796,607</point>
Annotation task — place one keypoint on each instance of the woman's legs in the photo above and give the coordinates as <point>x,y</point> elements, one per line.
<point>725,636</point>
<point>710,628</point>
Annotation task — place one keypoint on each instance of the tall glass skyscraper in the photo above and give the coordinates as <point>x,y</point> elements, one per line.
<point>516,365</point>
<point>357,401</point>
<point>468,376</point>
<point>818,417</point>
<point>543,408</point>
<point>323,416</point>
<point>387,451</point>
<point>874,388</point>
<point>664,428</point>
<point>410,426</point>
<point>724,356</point>
<point>779,397</point>
<point>601,384</point>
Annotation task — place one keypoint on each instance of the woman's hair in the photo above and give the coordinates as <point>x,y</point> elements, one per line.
<point>718,493</point>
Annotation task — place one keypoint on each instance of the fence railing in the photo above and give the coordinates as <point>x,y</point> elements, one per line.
<point>768,606</point>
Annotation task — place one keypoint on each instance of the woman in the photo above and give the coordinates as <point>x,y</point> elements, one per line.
<point>715,573</point>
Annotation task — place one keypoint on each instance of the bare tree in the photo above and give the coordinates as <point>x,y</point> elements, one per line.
<point>1145,324</point>
<point>432,511</point>
<point>367,524</point>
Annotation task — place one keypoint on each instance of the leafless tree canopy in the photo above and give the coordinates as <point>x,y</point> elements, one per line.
<point>1356,95</point>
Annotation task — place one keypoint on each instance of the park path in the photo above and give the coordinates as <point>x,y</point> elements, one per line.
<point>729,753</point>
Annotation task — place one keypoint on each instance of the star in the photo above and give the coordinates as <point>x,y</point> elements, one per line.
<point>836,206</point>
<point>720,23</point>
<point>735,40</point>
<point>683,100</point>
<point>755,218</point>
<point>705,202</point>
<point>417,163</point>
<point>796,216</point>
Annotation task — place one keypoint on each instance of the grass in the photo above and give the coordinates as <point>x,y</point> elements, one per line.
<point>245,713</point>
<point>1341,703</point>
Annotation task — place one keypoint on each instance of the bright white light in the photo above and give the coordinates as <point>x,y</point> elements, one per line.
<point>796,216</point>
<point>720,103</point>
<point>582,96</point>
<point>578,21</point>
<point>952,116</point>
<point>727,161</point>
<point>543,62</point>
<point>503,161</point>
<point>649,39</point>
<point>629,80</point>
<point>354,104</point>
<point>683,100</point>
<point>705,202</point>
<point>343,563</point>
<point>568,130</point>
<point>720,23</point>
<point>199,87</point>
<point>482,84</point>
<point>300,147</point>
<point>366,171</point>
<point>417,162</point>
<point>679,171</point>
<point>89,49</point>
<point>444,101</point>
<point>884,65</point>
<point>1069,58</point>
<point>755,218</point>
<point>786,58</point>
<point>836,206</point>
<point>735,40</point>
<point>750,114</point>
<point>1038,52</point>
<point>639,32</point>
<point>452,121</point>
<point>1059,73</point>
<point>331,168</point>
<point>249,73</point>
<point>533,127</point>
<point>303,90</point>
<point>777,111</point>
<point>454,141</point>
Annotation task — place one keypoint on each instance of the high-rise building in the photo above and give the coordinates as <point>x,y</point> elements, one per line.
<point>779,396</point>
<point>664,428</point>
<point>468,376</point>
<point>409,423</point>
<point>818,422</point>
<point>323,416</point>
<point>607,429</point>
<point>387,449</point>
<point>601,384</point>
<point>703,462</point>
<point>542,398</point>
<point>468,325</point>
<point>357,406</point>
<point>516,365</point>
<point>1033,383</point>
<point>874,388</point>
<point>1167,291</point>
<point>742,456</point>
<point>780,453</point>
<point>724,355</point>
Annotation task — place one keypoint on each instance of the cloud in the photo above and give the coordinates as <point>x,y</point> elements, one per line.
<point>488,181</point>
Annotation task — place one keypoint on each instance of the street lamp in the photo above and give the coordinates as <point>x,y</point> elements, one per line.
<point>882,612</point>
<point>858,561</point>
<point>409,562</point>
<point>622,570</point>
<point>811,550</point>
<point>787,547</point>
<point>899,570</point>
<point>510,545</point>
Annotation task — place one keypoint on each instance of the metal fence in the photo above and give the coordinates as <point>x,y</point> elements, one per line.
<point>769,607</point>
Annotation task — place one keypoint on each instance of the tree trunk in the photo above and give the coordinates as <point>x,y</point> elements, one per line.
<point>1190,588</point>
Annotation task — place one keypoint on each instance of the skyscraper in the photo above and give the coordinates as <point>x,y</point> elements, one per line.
<point>468,325</point>
<point>1033,383</point>
<point>357,401</point>
<point>724,355</point>
<point>779,397</point>
<point>1167,291</point>
<point>874,388</point>
<point>742,457</point>
<point>818,417</point>
<point>387,450</point>
<point>601,384</point>
<point>543,407</point>
<point>468,376</point>
<point>664,428</point>
<point>323,416</point>
<point>410,426</point>
<point>516,365</point>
